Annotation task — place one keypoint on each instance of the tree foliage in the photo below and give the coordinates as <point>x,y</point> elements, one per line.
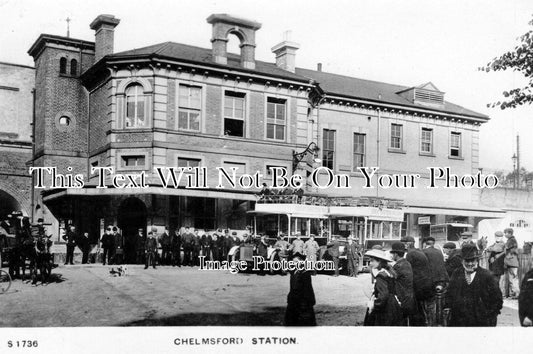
<point>520,59</point>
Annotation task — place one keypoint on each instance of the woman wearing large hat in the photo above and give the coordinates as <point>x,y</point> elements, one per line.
<point>383,308</point>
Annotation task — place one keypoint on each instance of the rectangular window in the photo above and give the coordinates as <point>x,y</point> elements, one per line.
<point>133,160</point>
<point>426,141</point>
<point>240,168</point>
<point>276,118</point>
<point>328,148</point>
<point>396,136</point>
<point>186,162</point>
<point>269,171</point>
<point>358,150</point>
<point>455,144</point>
<point>190,106</point>
<point>234,113</point>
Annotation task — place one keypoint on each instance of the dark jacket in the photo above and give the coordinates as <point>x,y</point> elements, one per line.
<point>476,304</point>
<point>262,249</point>
<point>164,240</point>
<point>151,244</point>
<point>436,265</point>
<point>71,238</point>
<point>422,282</point>
<point>497,255</point>
<point>387,311</point>
<point>352,251</point>
<point>333,248</point>
<point>300,300</point>
<point>118,240</point>
<point>511,252</point>
<point>108,241</point>
<point>175,242</point>
<point>525,299</point>
<point>404,286</point>
<point>454,261</point>
<point>188,240</point>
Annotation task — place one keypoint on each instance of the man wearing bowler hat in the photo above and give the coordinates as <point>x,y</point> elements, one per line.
<point>473,298</point>
<point>404,281</point>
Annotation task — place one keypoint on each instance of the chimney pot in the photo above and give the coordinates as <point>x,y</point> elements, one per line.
<point>286,55</point>
<point>319,67</point>
<point>104,27</point>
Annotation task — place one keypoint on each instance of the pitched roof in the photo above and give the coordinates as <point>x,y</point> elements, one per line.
<point>334,84</point>
<point>204,56</point>
<point>352,87</point>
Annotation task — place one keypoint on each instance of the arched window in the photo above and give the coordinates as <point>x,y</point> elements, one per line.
<point>73,67</point>
<point>63,65</point>
<point>135,106</point>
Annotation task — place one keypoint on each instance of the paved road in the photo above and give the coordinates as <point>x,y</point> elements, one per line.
<point>89,296</point>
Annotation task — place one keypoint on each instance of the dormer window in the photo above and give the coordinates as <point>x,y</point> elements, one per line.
<point>429,96</point>
<point>425,95</point>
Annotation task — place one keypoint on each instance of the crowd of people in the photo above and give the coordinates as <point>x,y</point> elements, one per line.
<point>423,287</point>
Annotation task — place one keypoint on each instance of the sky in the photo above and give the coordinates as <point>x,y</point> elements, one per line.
<point>406,42</point>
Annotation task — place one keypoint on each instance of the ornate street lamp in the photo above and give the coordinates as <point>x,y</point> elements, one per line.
<point>297,157</point>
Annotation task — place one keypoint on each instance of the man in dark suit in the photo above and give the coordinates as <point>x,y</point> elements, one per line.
<point>175,248</point>
<point>108,244</point>
<point>164,241</point>
<point>71,237</point>
<point>439,277</point>
<point>404,281</point>
<point>151,250</point>
<point>139,246</point>
<point>473,298</point>
<point>85,247</point>
<point>334,251</point>
<point>525,300</point>
<point>118,241</point>
<point>422,282</point>
<point>188,245</point>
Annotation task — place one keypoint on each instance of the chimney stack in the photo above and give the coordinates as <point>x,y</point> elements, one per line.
<point>224,24</point>
<point>286,55</point>
<point>319,67</point>
<point>104,27</point>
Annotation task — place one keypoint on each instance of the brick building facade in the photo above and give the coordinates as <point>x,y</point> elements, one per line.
<point>172,104</point>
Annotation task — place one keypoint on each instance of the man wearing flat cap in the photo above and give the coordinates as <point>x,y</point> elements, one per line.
<point>473,297</point>
<point>404,281</point>
<point>454,260</point>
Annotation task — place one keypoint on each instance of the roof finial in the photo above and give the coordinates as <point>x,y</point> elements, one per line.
<point>68,26</point>
<point>287,35</point>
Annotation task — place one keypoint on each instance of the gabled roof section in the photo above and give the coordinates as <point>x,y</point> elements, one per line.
<point>354,88</point>
<point>429,86</point>
<point>203,56</point>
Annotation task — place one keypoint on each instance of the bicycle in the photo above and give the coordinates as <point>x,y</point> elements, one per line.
<point>5,279</point>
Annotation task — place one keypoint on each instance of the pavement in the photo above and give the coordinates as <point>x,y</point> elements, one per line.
<point>88,295</point>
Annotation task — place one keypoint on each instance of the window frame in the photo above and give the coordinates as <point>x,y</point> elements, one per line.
<point>235,94</point>
<point>188,107</point>
<point>459,148</point>
<point>363,154</point>
<point>139,96</point>
<point>275,120</point>
<point>422,141</point>
<point>400,137</point>
<point>325,148</point>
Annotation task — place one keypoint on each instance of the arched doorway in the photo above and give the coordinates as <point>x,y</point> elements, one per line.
<point>131,217</point>
<point>8,204</point>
